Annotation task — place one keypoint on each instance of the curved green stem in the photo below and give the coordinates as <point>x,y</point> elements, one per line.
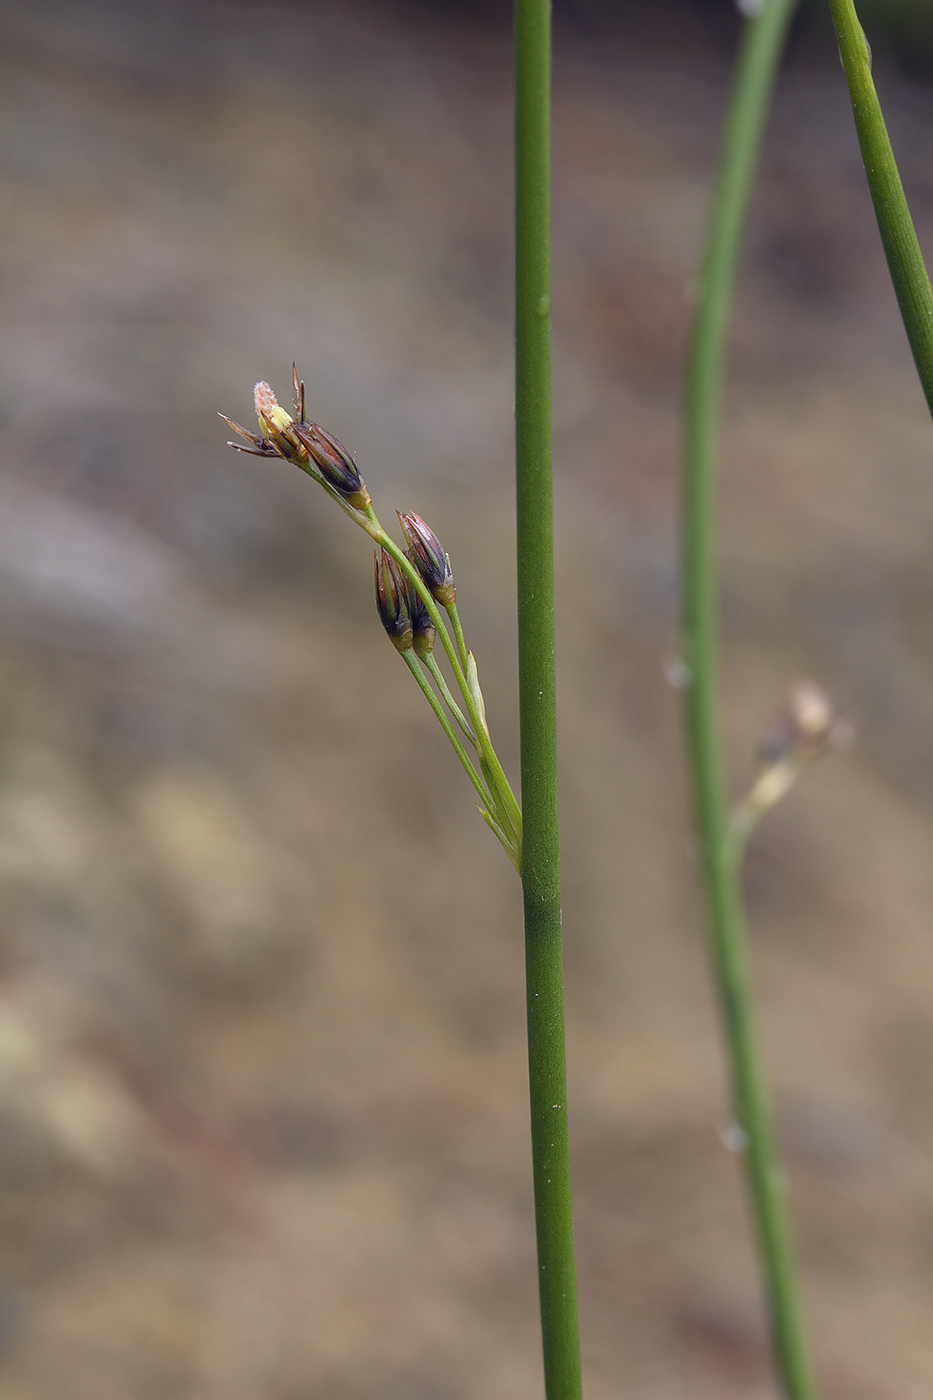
<point>760,51</point>
<point>540,868</point>
<point>905,260</point>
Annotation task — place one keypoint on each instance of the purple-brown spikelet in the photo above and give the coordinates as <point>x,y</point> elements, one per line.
<point>334,463</point>
<point>392,601</point>
<point>306,444</point>
<point>424,631</point>
<point>427,554</point>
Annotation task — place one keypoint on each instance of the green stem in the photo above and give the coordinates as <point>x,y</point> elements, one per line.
<point>414,666</point>
<point>458,632</point>
<point>905,261</point>
<point>438,678</point>
<point>540,869</point>
<point>757,65</point>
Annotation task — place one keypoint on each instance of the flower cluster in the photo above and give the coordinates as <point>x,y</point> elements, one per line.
<point>415,596</point>
<point>305,444</point>
<point>805,727</point>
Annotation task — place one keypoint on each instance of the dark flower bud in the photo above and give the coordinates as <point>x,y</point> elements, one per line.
<point>392,601</point>
<point>334,463</point>
<point>427,554</point>
<point>423,628</point>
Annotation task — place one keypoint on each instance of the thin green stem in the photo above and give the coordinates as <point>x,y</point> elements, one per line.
<point>458,632</point>
<point>905,260</point>
<point>414,666</point>
<point>757,65</point>
<point>438,678</point>
<point>540,868</point>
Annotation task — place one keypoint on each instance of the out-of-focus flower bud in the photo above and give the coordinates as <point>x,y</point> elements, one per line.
<point>427,554</point>
<point>334,463</point>
<point>806,726</point>
<point>813,713</point>
<point>392,601</point>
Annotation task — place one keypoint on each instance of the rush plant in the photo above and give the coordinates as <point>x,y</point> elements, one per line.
<point>416,603</point>
<point>415,597</point>
<point>808,725</point>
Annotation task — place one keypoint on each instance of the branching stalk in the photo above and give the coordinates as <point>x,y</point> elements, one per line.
<point>760,52</point>
<point>492,768</point>
<point>437,676</point>
<point>488,754</point>
<point>414,665</point>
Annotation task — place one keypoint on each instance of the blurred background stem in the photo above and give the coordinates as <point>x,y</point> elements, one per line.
<point>540,869</point>
<point>905,260</point>
<point>759,55</point>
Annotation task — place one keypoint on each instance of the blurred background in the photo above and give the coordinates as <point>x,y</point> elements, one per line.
<point>263,1129</point>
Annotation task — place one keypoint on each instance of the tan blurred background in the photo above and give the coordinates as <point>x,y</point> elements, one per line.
<point>263,1133</point>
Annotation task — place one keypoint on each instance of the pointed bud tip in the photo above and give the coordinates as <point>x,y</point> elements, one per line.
<point>392,601</point>
<point>429,557</point>
<point>334,463</point>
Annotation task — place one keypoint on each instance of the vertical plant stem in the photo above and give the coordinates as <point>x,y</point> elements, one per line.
<point>758,59</point>
<point>905,261</point>
<point>540,870</point>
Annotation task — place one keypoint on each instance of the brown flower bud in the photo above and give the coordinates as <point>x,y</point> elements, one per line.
<point>334,463</point>
<point>392,601</point>
<point>423,628</point>
<point>427,554</point>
